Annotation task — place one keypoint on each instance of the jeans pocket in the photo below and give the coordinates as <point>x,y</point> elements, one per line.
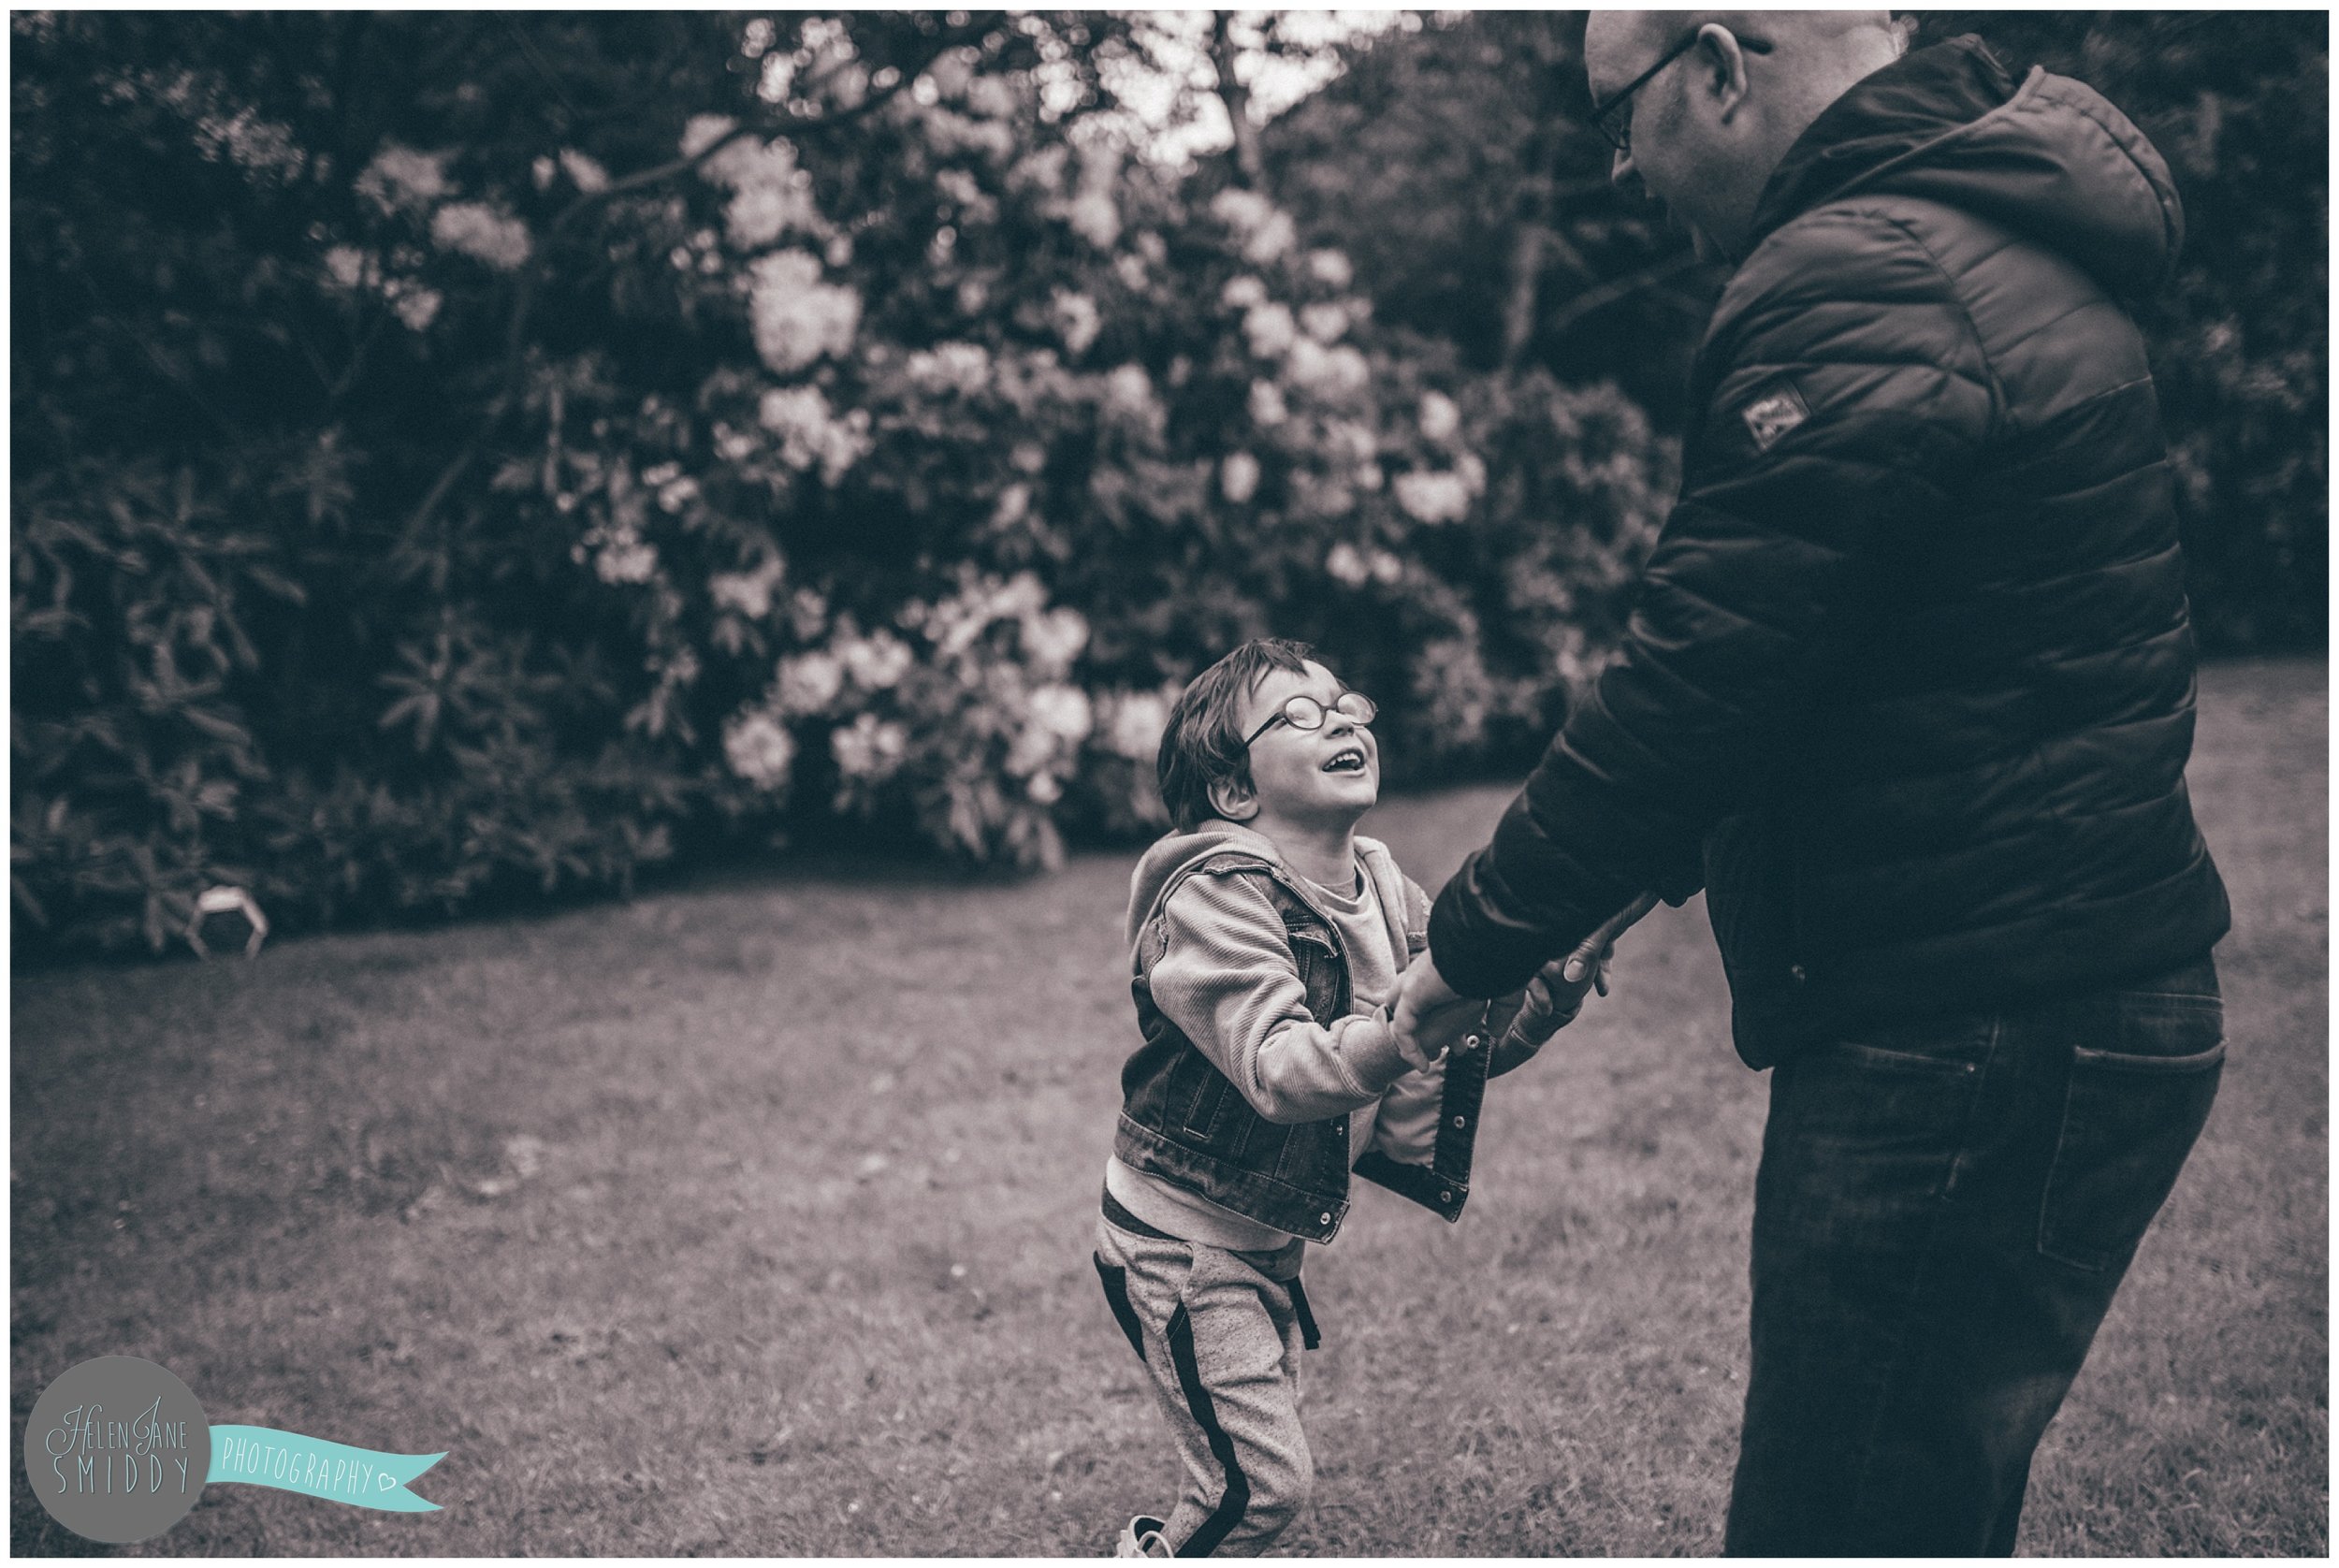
<point>1866,1133</point>
<point>2130,1119</point>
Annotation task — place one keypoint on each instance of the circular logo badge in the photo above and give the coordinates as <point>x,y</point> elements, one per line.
<point>117,1450</point>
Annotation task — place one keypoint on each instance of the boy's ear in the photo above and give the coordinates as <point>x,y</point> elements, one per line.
<point>1233,799</point>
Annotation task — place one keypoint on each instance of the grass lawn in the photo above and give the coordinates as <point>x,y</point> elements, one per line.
<point>755,1218</point>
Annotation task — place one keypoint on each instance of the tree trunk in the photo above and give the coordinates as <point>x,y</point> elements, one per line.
<point>1236,99</point>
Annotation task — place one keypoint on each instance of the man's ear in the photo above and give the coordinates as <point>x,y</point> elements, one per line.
<point>1233,799</point>
<point>1721,67</point>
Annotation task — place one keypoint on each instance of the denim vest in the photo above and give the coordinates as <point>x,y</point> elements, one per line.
<point>1183,1121</point>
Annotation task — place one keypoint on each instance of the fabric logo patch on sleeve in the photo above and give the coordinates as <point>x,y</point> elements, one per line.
<point>1779,409</point>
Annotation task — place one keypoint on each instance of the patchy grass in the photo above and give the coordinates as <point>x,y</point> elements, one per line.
<point>755,1220</point>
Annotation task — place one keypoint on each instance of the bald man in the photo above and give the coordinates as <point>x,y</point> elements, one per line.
<point>1909,691</point>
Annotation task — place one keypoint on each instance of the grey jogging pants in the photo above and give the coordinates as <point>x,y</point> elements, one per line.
<point>1220,1333</point>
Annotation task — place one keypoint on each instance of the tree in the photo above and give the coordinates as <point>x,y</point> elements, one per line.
<point>474,457</point>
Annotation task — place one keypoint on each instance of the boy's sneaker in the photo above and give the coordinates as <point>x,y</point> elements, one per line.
<point>1142,1537</point>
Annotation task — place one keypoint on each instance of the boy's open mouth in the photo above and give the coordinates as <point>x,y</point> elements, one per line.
<point>1346,760</point>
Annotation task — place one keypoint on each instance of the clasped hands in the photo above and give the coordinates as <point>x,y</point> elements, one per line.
<point>1435,1018</point>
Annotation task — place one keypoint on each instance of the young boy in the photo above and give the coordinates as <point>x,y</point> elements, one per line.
<point>1267,938</point>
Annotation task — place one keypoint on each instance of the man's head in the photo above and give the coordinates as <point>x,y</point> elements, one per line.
<point>1269,736</point>
<point>1707,128</point>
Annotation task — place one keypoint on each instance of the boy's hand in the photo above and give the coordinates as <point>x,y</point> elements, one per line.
<point>1431,1017</point>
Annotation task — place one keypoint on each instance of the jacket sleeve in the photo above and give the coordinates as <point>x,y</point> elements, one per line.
<point>1848,391</point>
<point>1404,1125</point>
<point>1227,979</point>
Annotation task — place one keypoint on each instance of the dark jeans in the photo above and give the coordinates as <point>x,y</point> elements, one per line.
<point>1944,1211</point>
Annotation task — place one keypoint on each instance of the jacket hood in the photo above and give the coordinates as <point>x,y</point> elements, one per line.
<point>2050,159</point>
<point>1173,853</point>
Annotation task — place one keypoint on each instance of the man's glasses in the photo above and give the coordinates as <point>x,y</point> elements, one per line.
<point>1307,713</point>
<point>1613,119</point>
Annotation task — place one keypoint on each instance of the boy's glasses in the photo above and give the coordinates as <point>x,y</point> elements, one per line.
<point>1307,713</point>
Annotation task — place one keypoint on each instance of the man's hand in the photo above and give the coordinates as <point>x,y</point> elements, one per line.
<point>1430,1016</point>
<point>1556,995</point>
<point>1592,953</point>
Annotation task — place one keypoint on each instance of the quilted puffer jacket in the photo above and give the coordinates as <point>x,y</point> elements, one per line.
<point>1908,685</point>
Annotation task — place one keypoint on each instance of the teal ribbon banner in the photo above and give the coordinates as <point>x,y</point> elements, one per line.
<point>262,1457</point>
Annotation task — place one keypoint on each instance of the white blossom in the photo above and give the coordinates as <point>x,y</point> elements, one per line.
<point>1266,231</point>
<point>1325,322</point>
<point>808,682</point>
<point>877,662</point>
<point>1129,391</point>
<point>1243,292</point>
<point>1346,563</point>
<point>1051,641</point>
<point>1077,320</point>
<point>747,593</point>
<point>352,268</point>
<point>1353,439</point>
<point>416,306</point>
<point>1063,711</point>
<point>1433,497</point>
<point>1133,724</point>
<point>1271,329</point>
<point>626,559</point>
<point>400,179</point>
<point>797,317</point>
<point>809,436</point>
<point>1440,415</point>
<point>1237,477</point>
<point>961,368</point>
<point>584,173</point>
<point>1093,217</point>
<point>1330,373</point>
<point>1331,268</point>
<point>870,750</point>
<point>1267,403</point>
<point>759,749</point>
<point>479,231</point>
<point>991,97</point>
<point>772,196</point>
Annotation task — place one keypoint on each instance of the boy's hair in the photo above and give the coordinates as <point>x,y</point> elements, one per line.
<point>1202,744</point>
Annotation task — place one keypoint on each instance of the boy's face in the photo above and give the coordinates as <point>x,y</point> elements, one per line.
<point>1327,776</point>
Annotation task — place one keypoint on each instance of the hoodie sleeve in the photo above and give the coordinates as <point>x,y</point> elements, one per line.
<point>1227,979</point>
<point>1852,393</point>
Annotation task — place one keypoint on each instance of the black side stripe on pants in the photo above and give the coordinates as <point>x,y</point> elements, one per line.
<point>1237,1496</point>
<point>1308,1338</point>
<point>1116,1283</point>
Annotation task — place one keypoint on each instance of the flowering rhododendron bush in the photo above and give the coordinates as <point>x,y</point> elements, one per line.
<point>466,455</point>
